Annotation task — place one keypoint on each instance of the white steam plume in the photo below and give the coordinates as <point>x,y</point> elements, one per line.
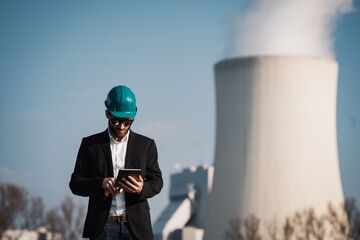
<point>288,27</point>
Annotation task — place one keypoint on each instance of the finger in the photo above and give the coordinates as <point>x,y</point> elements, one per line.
<point>112,181</point>
<point>116,191</point>
<point>129,187</point>
<point>121,184</point>
<point>138,185</point>
<point>134,181</point>
<point>138,179</point>
<point>110,190</point>
<point>125,187</point>
<point>111,186</point>
<point>105,182</point>
<point>129,184</point>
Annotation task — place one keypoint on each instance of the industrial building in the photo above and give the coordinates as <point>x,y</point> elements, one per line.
<point>184,217</point>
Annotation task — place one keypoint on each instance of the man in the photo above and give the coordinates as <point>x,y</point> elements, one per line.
<point>125,213</point>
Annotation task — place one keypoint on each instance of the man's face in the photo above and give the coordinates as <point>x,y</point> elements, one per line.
<point>118,126</point>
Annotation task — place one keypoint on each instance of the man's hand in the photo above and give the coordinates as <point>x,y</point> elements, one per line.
<point>109,184</point>
<point>133,186</point>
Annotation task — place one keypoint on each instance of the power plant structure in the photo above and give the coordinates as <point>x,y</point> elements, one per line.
<point>184,216</point>
<point>276,142</point>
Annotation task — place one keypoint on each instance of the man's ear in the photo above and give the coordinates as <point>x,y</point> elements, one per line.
<point>107,114</point>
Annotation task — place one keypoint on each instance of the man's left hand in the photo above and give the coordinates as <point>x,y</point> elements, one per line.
<point>133,186</point>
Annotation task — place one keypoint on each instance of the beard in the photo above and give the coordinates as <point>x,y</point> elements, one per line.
<point>116,131</point>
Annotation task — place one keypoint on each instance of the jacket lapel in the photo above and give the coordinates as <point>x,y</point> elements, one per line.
<point>129,162</point>
<point>105,145</point>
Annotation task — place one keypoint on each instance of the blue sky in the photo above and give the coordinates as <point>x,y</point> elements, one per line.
<point>59,59</point>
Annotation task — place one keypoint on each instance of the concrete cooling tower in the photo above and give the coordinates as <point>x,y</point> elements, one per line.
<point>276,144</point>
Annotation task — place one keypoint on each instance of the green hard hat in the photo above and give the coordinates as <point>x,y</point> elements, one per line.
<point>121,102</point>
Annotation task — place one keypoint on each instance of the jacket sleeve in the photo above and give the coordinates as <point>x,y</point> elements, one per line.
<point>82,183</point>
<point>153,181</point>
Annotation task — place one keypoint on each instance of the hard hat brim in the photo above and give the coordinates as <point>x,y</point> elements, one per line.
<point>123,114</point>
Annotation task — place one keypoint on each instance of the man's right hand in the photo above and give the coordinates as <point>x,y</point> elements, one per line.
<point>109,184</point>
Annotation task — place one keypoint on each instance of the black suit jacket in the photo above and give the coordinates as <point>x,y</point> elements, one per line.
<point>94,163</point>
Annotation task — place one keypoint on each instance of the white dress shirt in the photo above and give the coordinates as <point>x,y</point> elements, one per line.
<point>118,153</point>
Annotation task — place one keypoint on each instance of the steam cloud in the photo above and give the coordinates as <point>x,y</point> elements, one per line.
<point>288,27</point>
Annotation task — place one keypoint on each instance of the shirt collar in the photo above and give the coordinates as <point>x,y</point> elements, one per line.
<point>124,139</point>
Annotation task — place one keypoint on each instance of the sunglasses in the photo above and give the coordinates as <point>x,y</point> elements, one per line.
<point>118,122</point>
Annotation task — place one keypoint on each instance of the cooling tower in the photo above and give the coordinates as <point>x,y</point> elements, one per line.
<point>276,143</point>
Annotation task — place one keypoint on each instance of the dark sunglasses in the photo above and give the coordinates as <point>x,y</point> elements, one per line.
<point>118,122</point>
